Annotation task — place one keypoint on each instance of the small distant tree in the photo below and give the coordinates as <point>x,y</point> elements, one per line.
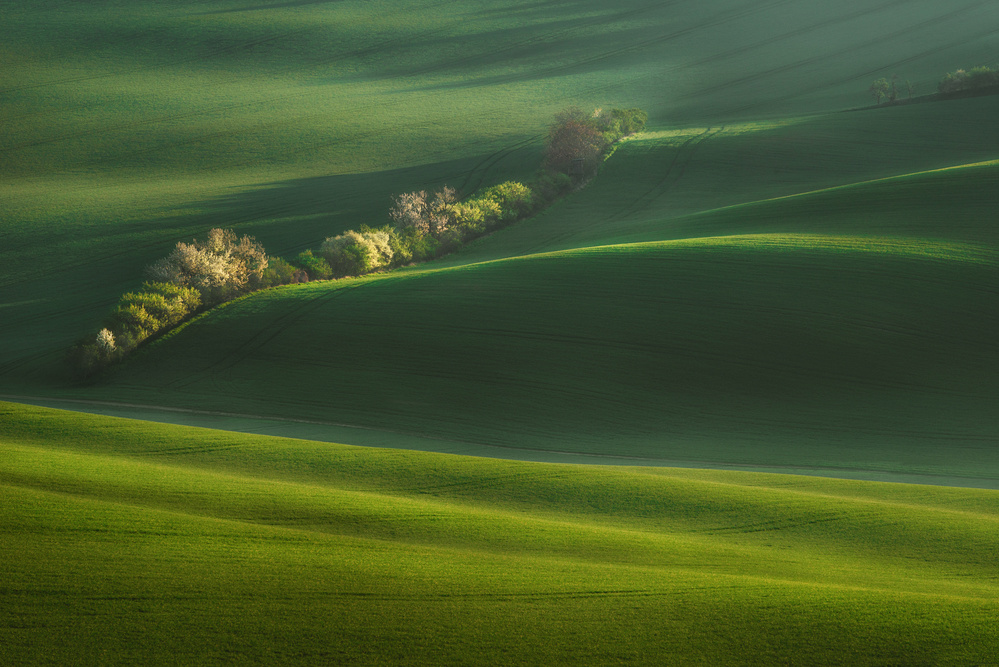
<point>909,88</point>
<point>105,344</point>
<point>441,210</point>
<point>574,138</point>
<point>879,90</point>
<point>409,211</point>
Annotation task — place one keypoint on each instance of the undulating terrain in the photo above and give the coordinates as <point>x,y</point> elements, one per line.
<point>774,277</point>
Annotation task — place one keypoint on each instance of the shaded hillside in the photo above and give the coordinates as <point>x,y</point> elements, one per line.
<point>767,350</point>
<point>129,127</point>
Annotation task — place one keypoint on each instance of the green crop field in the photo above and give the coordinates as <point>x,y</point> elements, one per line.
<point>128,542</point>
<point>773,286</point>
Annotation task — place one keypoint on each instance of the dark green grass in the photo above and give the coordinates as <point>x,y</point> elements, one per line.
<point>128,127</point>
<point>133,542</point>
<point>794,350</point>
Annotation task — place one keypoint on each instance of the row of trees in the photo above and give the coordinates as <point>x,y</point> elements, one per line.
<point>885,90</point>
<point>422,225</point>
<point>889,90</point>
<point>426,224</point>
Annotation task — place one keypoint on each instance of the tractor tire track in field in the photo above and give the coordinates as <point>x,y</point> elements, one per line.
<point>476,176</point>
<point>806,90</point>
<point>219,109</point>
<point>798,32</point>
<point>235,48</point>
<point>490,56</point>
<point>674,172</point>
<point>272,329</point>
<point>719,19</point>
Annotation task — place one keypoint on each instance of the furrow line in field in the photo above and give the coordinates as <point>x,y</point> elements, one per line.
<point>479,172</point>
<point>272,329</point>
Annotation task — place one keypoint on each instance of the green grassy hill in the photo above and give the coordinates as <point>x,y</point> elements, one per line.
<point>768,350</point>
<point>760,281</point>
<point>130,126</point>
<point>848,330</point>
<point>128,542</point>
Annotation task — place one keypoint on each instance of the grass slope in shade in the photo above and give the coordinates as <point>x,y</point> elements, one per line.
<point>131,542</point>
<point>761,350</point>
<point>130,126</point>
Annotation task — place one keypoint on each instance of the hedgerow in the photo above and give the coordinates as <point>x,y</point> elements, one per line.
<point>137,317</point>
<point>422,226</point>
<point>973,79</point>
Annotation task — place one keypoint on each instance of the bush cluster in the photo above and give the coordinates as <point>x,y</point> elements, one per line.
<point>354,253</point>
<point>973,79</point>
<point>577,141</point>
<point>138,316</point>
<point>201,273</point>
<point>424,225</point>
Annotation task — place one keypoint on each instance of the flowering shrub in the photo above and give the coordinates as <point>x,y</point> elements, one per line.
<point>220,267</point>
<point>355,253</point>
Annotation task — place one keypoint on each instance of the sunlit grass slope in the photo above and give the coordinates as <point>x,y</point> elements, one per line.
<point>125,127</point>
<point>817,351</point>
<point>128,542</point>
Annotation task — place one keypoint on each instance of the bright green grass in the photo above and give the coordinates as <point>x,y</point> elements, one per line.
<point>846,353</point>
<point>131,542</point>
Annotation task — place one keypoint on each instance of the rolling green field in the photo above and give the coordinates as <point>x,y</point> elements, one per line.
<point>844,329</point>
<point>128,126</point>
<point>770,280</point>
<point>129,542</point>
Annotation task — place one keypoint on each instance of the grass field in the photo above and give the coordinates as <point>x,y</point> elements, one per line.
<point>134,542</point>
<point>764,280</point>
<point>128,126</point>
<point>880,356</point>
